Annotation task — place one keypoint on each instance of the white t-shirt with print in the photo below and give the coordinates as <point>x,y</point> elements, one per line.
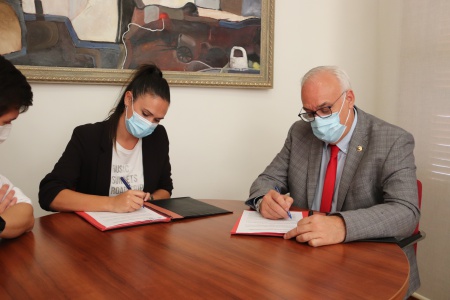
<point>21,197</point>
<point>127,164</point>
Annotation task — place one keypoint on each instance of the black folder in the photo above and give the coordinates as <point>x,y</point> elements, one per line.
<point>185,207</point>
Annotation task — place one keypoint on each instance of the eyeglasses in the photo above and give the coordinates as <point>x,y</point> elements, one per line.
<point>324,112</point>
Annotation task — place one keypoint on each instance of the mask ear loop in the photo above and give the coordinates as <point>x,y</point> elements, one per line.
<point>348,115</point>
<point>342,105</point>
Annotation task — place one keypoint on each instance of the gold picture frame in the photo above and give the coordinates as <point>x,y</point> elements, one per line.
<point>263,78</point>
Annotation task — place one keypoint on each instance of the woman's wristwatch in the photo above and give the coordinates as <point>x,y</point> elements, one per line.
<point>2,224</point>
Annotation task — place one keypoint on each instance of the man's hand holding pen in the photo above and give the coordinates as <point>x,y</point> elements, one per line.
<point>317,229</point>
<point>275,205</point>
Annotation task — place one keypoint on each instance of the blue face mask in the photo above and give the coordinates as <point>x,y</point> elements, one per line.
<point>137,125</point>
<point>329,129</point>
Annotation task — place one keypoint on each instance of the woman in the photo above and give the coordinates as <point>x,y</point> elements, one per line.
<point>128,146</point>
<point>16,209</point>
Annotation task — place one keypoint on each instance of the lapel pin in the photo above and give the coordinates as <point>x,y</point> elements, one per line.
<point>359,148</point>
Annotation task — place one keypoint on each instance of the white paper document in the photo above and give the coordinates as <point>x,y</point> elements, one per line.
<point>252,222</point>
<point>111,219</point>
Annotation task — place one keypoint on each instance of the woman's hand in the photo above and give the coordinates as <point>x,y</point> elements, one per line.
<point>129,201</point>
<point>6,199</point>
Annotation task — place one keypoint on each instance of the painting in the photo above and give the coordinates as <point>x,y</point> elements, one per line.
<point>217,43</point>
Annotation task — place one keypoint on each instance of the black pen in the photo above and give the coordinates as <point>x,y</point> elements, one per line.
<point>288,212</point>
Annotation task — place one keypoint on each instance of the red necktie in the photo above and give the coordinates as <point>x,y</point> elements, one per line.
<point>330,179</point>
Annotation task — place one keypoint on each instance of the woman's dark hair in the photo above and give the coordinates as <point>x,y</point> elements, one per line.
<point>148,79</point>
<point>15,91</point>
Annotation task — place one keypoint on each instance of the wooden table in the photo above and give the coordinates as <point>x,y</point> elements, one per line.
<point>66,257</point>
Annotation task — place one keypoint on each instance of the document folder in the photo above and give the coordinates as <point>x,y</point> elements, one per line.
<point>185,207</point>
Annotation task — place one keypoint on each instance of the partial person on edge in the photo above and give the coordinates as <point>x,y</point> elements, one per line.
<point>129,144</point>
<point>375,192</point>
<point>16,209</point>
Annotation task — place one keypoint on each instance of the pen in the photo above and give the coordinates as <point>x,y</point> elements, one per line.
<point>310,213</point>
<point>288,212</point>
<point>125,182</point>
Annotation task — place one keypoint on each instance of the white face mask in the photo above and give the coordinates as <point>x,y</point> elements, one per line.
<point>4,132</point>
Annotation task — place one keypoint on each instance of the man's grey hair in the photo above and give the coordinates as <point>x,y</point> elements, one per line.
<point>340,74</point>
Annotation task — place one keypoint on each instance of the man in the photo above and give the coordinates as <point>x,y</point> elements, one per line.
<point>16,210</point>
<point>368,191</point>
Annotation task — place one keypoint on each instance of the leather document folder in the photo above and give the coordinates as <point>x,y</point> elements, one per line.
<point>185,207</point>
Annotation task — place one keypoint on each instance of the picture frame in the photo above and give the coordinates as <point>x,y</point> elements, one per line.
<point>242,76</point>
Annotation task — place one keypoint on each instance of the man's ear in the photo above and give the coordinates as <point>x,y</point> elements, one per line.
<point>350,97</point>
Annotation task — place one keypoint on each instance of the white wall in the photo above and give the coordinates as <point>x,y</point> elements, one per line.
<point>388,63</point>
<point>421,104</point>
<point>221,139</point>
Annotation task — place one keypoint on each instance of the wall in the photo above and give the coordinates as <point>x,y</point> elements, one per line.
<point>388,64</point>
<point>425,112</point>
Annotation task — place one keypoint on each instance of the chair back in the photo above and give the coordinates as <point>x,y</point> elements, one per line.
<point>419,191</point>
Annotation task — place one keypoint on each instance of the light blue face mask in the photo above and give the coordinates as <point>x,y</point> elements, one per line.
<point>137,125</point>
<point>329,129</point>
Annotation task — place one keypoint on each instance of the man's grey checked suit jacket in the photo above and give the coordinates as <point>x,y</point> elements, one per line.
<point>377,195</point>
